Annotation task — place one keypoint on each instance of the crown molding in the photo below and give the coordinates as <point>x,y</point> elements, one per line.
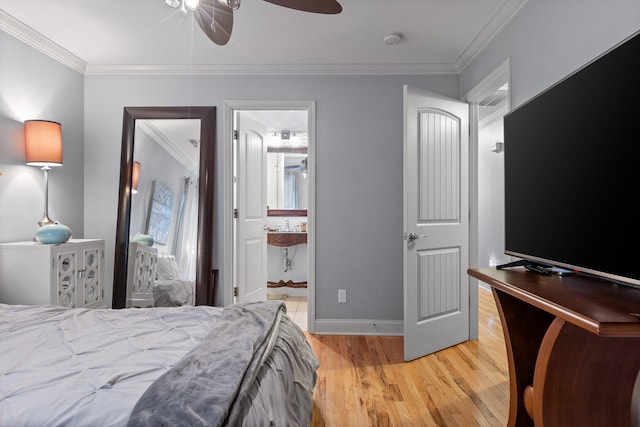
<point>164,142</point>
<point>28,35</point>
<point>272,69</point>
<point>497,22</point>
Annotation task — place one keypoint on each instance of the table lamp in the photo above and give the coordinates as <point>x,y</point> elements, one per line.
<point>43,147</point>
<point>136,177</point>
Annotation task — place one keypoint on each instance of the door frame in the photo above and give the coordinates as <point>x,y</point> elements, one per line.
<point>227,195</point>
<point>492,82</point>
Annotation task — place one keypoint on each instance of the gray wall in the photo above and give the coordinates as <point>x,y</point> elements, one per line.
<point>358,181</point>
<point>549,39</point>
<point>34,86</point>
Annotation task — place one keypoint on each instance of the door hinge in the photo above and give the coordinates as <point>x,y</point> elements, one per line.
<point>235,291</point>
<point>235,213</point>
<point>235,134</point>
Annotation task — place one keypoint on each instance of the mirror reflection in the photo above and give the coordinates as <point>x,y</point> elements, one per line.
<point>287,170</point>
<point>164,210</point>
<point>287,186</point>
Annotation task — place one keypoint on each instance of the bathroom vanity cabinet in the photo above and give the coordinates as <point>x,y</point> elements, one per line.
<point>286,238</point>
<point>287,243</point>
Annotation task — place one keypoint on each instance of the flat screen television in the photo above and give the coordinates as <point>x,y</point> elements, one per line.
<point>572,170</point>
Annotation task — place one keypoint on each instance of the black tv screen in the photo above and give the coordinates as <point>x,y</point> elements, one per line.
<point>572,170</point>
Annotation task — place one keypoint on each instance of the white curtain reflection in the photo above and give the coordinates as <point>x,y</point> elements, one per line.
<point>290,201</point>
<point>187,232</point>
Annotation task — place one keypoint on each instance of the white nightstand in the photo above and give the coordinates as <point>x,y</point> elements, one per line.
<point>70,274</point>
<point>141,275</point>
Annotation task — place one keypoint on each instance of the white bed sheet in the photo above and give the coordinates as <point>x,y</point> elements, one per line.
<point>173,293</point>
<point>105,359</point>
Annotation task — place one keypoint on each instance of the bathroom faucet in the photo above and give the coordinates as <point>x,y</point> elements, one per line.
<point>286,221</point>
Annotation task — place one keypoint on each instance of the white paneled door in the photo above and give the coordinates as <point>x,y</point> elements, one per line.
<point>436,222</point>
<point>252,211</point>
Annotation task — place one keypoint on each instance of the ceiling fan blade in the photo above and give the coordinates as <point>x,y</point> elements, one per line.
<point>330,7</point>
<point>216,20</point>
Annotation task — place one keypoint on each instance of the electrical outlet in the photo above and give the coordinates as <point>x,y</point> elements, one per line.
<point>342,295</point>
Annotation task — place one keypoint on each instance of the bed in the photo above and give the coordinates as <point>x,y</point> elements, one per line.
<point>169,290</point>
<point>242,365</point>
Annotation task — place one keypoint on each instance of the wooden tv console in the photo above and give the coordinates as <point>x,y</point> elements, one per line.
<point>573,345</point>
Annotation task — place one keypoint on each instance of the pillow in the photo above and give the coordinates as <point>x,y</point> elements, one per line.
<point>166,268</point>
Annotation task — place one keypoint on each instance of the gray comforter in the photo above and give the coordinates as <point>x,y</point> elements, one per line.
<point>216,383</point>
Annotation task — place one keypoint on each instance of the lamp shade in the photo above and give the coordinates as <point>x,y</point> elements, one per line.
<point>136,175</point>
<point>43,143</point>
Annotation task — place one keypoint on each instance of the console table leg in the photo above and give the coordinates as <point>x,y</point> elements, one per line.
<point>524,327</point>
<point>583,379</point>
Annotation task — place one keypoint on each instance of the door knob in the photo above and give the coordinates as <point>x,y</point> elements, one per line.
<point>413,237</point>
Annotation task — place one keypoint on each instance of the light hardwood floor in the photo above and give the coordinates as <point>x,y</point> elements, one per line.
<point>364,381</point>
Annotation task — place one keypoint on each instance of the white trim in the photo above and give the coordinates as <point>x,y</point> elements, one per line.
<point>473,216</point>
<point>227,206</point>
<point>494,116</point>
<point>26,34</point>
<point>485,287</point>
<point>169,146</point>
<point>227,194</point>
<point>495,25</point>
<point>273,69</point>
<point>359,327</point>
<point>492,82</point>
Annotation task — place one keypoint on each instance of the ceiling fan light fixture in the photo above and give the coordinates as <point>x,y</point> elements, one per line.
<point>330,7</point>
<point>191,4</point>
<point>231,4</point>
<point>215,17</point>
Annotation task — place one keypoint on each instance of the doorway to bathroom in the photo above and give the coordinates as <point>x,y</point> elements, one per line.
<point>271,169</point>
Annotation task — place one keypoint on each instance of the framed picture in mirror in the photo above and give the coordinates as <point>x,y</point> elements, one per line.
<point>160,212</point>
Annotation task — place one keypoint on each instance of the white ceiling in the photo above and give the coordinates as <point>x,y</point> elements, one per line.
<point>278,120</point>
<point>146,36</point>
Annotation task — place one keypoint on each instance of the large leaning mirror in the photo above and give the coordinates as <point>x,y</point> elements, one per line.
<point>165,205</point>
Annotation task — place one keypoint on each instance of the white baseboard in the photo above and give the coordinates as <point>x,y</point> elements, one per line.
<point>359,327</point>
<point>365,326</point>
<point>484,286</point>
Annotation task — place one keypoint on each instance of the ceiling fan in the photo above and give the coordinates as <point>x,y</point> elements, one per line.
<point>215,17</point>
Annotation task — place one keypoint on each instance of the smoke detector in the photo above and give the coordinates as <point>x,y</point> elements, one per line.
<point>392,38</point>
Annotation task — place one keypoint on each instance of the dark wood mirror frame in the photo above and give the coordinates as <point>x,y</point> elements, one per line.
<point>204,278</point>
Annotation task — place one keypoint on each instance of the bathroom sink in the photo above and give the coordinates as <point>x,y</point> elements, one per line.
<point>286,238</point>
